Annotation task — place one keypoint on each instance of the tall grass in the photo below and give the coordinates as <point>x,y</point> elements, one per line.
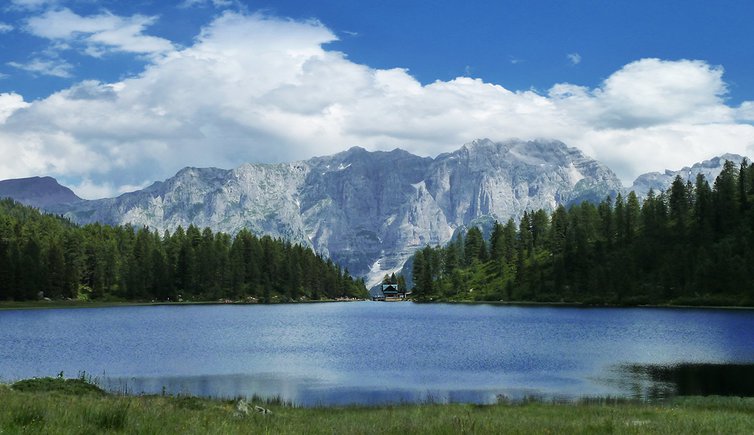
<point>75,411</point>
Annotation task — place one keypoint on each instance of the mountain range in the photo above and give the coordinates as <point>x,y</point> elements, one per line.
<point>659,181</point>
<point>367,211</point>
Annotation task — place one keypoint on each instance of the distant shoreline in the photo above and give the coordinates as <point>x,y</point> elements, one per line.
<point>34,305</point>
<point>586,305</point>
<point>58,304</point>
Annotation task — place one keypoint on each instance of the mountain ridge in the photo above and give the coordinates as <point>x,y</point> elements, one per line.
<point>37,191</point>
<point>658,181</point>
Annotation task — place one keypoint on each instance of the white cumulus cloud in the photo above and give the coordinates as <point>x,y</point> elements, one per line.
<point>265,89</point>
<point>9,103</point>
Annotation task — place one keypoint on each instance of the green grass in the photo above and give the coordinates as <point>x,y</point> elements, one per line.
<point>52,409</point>
<point>76,387</point>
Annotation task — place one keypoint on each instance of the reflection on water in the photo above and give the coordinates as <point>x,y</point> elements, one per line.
<point>302,391</point>
<point>636,381</point>
<point>651,381</point>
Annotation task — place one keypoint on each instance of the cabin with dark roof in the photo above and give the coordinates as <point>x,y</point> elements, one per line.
<point>393,292</point>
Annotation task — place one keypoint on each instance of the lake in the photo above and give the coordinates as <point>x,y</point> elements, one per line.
<point>376,352</point>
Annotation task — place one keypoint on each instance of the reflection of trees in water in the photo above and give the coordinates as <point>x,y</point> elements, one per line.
<point>660,381</point>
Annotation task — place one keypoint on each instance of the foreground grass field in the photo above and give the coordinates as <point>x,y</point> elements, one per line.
<point>57,406</point>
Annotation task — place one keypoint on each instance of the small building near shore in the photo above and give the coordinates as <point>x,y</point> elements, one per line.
<point>393,291</point>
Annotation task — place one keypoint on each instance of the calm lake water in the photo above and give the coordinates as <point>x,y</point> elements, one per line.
<point>372,352</point>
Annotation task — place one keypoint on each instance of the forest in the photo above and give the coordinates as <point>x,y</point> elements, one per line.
<point>690,245</point>
<point>46,256</point>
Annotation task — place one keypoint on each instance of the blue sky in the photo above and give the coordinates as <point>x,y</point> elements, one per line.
<point>111,95</point>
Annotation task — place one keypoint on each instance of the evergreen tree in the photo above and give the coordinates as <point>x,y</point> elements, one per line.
<point>56,282</point>
<point>679,207</point>
<point>474,246</point>
<point>497,242</point>
<point>725,198</point>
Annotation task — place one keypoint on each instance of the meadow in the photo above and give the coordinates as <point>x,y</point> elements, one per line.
<point>73,406</point>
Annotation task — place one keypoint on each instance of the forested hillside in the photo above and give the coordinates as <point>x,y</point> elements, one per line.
<point>47,256</point>
<point>693,244</point>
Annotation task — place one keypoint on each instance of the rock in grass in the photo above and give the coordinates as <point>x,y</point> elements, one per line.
<point>261,410</point>
<point>242,408</point>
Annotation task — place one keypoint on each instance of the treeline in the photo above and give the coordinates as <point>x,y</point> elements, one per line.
<point>692,244</point>
<point>47,256</point>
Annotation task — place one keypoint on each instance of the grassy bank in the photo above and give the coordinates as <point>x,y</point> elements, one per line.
<point>56,406</point>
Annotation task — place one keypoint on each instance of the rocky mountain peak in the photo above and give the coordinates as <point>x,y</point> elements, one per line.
<point>37,191</point>
<point>660,181</point>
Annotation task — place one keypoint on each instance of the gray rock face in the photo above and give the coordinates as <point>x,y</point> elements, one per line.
<point>262,198</point>
<point>38,192</point>
<point>368,211</point>
<point>660,181</point>
<point>505,179</point>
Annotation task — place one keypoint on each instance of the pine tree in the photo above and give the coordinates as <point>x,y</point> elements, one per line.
<point>56,282</point>
<point>497,242</point>
<point>679,207</point>
<point>417,272</point>
<point>725,198</point>
<point>474,246</point>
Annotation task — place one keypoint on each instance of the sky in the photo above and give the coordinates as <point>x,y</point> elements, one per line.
<point>108,96</point>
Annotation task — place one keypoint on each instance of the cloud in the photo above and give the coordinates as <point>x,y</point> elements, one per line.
<point>204,3</point>
<point>745,112</point>
<point>5,28</point>
<point>88,189</point>
<point>514,60</point>
<point>31,4</point>
<point>98,34</point>
<point>574,58</point>
<point>9,103</point>
<point>265,89</point>
<point>47,67</point>
<point>650,92</point>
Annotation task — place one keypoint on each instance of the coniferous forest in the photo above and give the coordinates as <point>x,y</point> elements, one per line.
<point>692,244</point>
<point>47,256</point>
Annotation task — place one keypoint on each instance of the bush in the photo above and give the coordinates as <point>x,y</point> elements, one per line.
<point>74,387</point>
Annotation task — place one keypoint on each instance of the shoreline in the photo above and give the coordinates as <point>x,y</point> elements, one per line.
<point>62,304</point>
<point>586,305</point>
